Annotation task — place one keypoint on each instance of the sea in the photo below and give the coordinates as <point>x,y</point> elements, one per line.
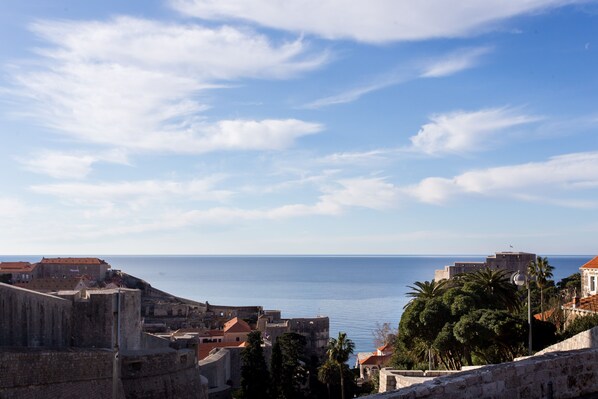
<point>355,292</point>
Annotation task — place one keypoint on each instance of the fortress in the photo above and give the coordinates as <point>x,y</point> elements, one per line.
<point>95,337</point>
<point>509,261</point>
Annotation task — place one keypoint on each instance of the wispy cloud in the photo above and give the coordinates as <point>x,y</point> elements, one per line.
<point>373,21</point>
<point>134,194</point>
<point>446,65</point>
<point>456,61</point>
<point>74,165</point>
<point>552,181</point>
<point>461,131</point>
<point>138,84</point>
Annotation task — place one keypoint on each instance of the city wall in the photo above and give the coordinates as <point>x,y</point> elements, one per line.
<point>31,319</point>
<point>87,373</point>
<point>557,375</point>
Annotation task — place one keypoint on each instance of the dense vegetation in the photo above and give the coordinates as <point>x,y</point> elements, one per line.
<point>474,318</point>
<point>481,318</point>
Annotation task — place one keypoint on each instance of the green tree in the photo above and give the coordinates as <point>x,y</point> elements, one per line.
<point>276,370</point>
<point>425,290</point>
<point>541,271</point>
<point>338,352</point>
<point>292,374</point>
<point>496,286</point>
<point>255,379</point>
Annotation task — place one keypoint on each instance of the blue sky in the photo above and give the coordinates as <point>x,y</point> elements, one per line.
<point>298,127</point>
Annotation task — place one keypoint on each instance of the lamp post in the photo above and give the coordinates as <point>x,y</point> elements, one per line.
<point>521,279</point>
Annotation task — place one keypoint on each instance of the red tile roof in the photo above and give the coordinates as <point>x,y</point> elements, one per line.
<point>73,261</point>
<point>589,303</point>
<point>16,267</point>
<point>236,325</point>
<point>593,264</point>
<point>203,350</point>
<point>52,284</point>
<point>547,314</point>
<point>375,360</point>
<point>385,347</point>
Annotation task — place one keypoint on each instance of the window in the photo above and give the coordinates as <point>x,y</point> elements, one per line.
<point>592,283</point>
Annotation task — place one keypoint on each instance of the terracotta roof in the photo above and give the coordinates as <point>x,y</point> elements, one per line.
<point>236,325</point>
<point>203,350</point>
<point>385,347</point>
<point>593,264</point>
<point>547,314</point>
<point>375,360</point>
<point>16,267</point>
<point>73,261</point>
<point>52,284</point>
<point>589,303</point>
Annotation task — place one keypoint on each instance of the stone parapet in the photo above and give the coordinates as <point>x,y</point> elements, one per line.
<point>557,375</point>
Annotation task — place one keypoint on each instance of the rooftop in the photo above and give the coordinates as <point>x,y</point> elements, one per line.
<point>589,304</point>
<point>236,325</point>
<point>73,261</point>
<point>203,350</point>
<point>16,267</point>
<point>593,264</point>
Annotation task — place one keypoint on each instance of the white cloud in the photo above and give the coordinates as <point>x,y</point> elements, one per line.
<point>131,206</point>
<point>446,65</point>
<point>455,62</point>
<point>137,84</point>
<point>134,192</point>
<point>62,165</point>
<point>374,21</point>
<point>551,181</point>
<point>461,131</point>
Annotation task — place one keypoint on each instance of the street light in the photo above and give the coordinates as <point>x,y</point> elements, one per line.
<point>521,279</point>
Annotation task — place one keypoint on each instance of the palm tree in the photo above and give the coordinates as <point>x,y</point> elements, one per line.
<point>338,352</point>
<point>497,284</point>
<point>541,271</point>
<point>426,290</point>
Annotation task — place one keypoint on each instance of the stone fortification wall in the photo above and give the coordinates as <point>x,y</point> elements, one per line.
<point>216,368</point>
<point>557,375</point>
<point>164,373</point>
<point>317,332</point>
<point>85,373</point>
<point>31,319</point>
<point>94,315</point>
<point>29,373</point>
<point>583,340</point>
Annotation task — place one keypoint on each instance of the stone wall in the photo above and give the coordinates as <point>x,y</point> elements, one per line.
<point>317,332</point>
<point>31,319</point>
<point>557,375</point>
<point>95,315</point>
<point>165,373</point>
<point>583,340</point>
<point>86,373</point>
<point>30,373</point>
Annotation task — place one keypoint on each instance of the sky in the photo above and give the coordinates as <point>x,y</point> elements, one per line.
<point>298,127</point>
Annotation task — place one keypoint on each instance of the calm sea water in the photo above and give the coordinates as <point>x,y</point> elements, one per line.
<point>355,292</point>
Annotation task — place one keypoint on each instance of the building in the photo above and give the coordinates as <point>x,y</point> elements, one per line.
<point>587,304</point>
<point>20,272</point>
<point>63,346</point>
<point>589,276</point>
<point>236,330</point>
<point>93,268</point>
<point>316,330</point>
<point>370,363</point>
<point>49,284</point>
<point>509,261</point>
